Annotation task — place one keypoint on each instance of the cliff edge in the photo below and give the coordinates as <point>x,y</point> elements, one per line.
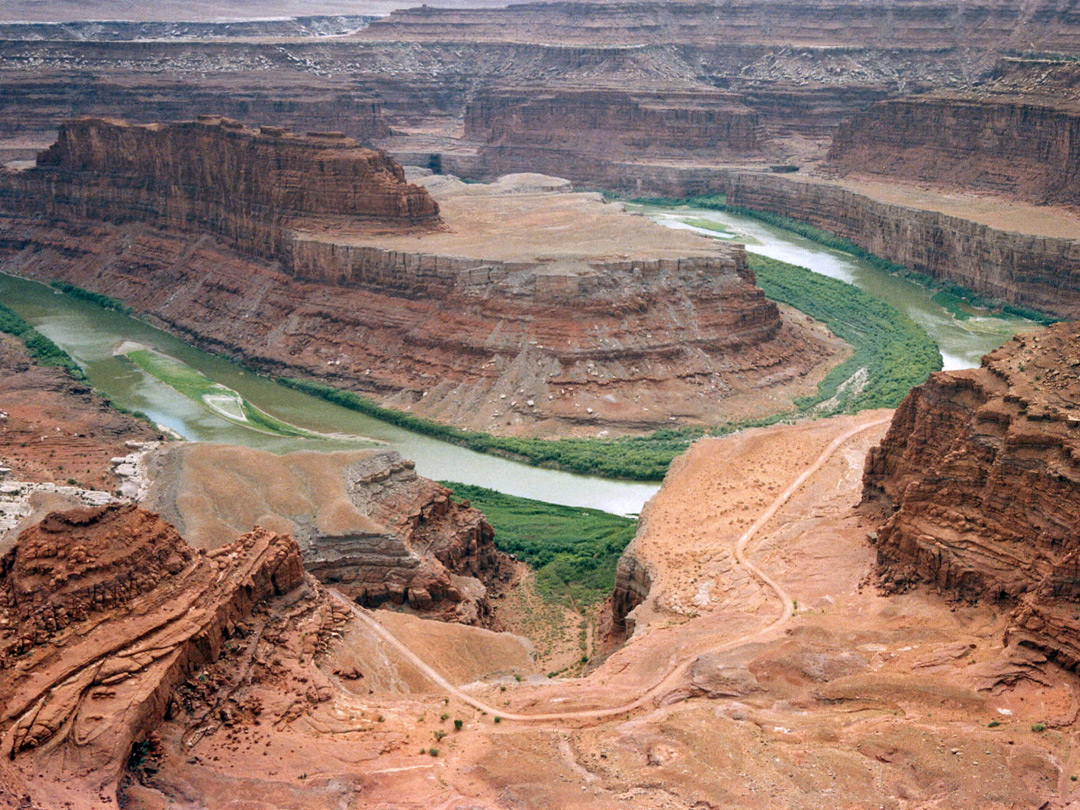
<point>979,478</point>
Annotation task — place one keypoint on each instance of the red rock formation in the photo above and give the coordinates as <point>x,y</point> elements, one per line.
<point>1033,271</point>
<point>1016,145</point>
<point>980,477</point>
<point>610,122</point>
<point>103,612</point>
<point>216,175</point>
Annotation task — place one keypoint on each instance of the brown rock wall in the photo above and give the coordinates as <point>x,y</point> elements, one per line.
<point>611,121</point>
<point>1012,145</point>
<point>216,175</point>
<point>1033,271</point>
<point>979,475</point>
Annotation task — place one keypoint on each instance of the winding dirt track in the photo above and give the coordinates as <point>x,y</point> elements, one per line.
<point>676,671</point>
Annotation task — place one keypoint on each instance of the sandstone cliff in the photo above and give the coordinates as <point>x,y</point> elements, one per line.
<point>597,121</point>
<point>365,521</point>
<point>1033,271</point>
<point>980,478</point>
<point>103,613</point>
<point>1021,145</point>
<point>214,175</point>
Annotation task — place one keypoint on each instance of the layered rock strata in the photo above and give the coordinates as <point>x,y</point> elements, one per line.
<point>215,175</point>
<point>1040,272</point>
<point>979,475</point>
<point>365,521</point>
<point>1018,145</point>
<point>600,121</point>
<point>1043,24</point>
<point>103,613</point>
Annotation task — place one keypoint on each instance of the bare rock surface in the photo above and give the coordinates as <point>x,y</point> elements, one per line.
<point>980,481</point>
<point>104,612</point>
<point>365,521</point>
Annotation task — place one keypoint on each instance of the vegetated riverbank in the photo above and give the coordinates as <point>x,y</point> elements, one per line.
<point>896,353</point>
<point>574,551</point>
<point>40,348</point>
<point>949,295</point>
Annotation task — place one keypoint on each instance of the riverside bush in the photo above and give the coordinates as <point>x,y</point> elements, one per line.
<point>572,549</point>
<point>39,347</point>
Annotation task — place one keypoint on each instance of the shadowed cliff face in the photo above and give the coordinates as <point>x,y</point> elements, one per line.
<point>980,476</point>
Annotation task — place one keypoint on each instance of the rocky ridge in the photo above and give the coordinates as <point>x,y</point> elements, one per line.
<point>104,612</point>
<point>365,522</point>
<point>979,476</point>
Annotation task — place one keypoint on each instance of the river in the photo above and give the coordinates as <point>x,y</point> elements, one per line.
<point>91,335</point>
<point>961,343</point>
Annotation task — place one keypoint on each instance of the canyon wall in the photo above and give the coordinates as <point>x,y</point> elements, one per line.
<point>684,338</point>
<point>979,477</point>
<point>215,175</point>
<point>605,122</point>
<point>487,322</point>
<point>104,612</point>
<point>1023,146</point>
<point>1032,271</point>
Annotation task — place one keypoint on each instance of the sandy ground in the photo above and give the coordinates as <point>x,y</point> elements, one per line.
<point>530,224</point>
<point>856,700</point>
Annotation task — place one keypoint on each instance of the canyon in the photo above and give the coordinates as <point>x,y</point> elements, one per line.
<point>872,609</point>
<point>464,318</point>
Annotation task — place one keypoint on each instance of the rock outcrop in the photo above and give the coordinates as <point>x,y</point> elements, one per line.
<point>103,613</point>
<point>365,521</point>
<point>215,175</point>
<point>1039,272</point>
<point>980,477</point>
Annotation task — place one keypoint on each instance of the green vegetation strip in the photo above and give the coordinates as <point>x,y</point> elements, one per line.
<point>103,301</point>
<point>896,353</point>
<point>950,296</point>
<point>40,348</point>
<point>573,550</point>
